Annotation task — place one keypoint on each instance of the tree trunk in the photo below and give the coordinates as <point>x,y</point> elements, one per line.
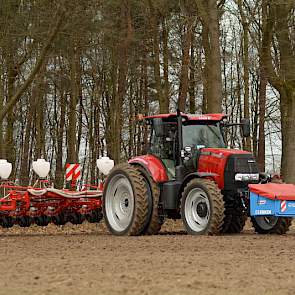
<point>163,101</point>
<point>184,78</point>
<point>288,133</point>
<point>262,93</point>
<point>59,172</point>
<point>120,69</point>
<point>215,97</point>
<point>80,100</point>
<point>9,139</point>
<point>245,42</point>
<point>210,35</point>
<point>24,162</point>
<point>74,61</point>
<point>2,151</point>
<point>192,77</point>
<point>206,75</point>
<point>283,79</point>
<point>166,93</point>
<point>38,94</point>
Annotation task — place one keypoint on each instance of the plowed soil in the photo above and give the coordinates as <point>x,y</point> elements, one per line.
<point>85,259</point>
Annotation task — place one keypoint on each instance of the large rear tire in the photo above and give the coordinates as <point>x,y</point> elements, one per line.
<point>234,221</point>
<point>202,207</point>
<point>125,202</point>
<point>154,224</point>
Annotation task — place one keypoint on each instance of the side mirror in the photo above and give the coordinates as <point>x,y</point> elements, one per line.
<point>158,127</point>
<point>245,126</point>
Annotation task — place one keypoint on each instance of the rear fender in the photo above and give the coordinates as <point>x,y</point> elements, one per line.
<point>153,166</point>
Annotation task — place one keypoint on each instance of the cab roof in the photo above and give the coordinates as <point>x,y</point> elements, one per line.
<point>191,117</point>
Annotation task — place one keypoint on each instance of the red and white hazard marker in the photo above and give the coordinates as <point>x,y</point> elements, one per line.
<point>73,172</point>
<point>283,206</point>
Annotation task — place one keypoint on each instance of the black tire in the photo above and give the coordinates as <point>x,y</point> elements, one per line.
<point>7,221</point>
<point>213,216</point>
<point>59,219</point>
<point>140,211</point>
<point>234,221</point>
<point>154,222</point>
<point>76,218</point>
<point>42,220</point>
<point>271,225</point>
<point>94,216</point>
<point>24,221</point>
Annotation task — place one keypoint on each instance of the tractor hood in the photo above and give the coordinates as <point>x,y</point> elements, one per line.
<point>223,152</point>
<point>229,166</point>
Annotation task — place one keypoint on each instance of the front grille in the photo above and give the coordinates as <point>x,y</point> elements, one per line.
<point>238,164</point>
<point>245,165</point>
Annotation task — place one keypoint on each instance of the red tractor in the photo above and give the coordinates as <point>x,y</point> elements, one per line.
<point>188,173</point>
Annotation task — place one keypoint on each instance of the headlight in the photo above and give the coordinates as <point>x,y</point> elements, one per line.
<point>247,177</point>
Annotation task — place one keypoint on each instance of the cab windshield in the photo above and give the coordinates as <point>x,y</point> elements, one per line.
<point>199,136</point>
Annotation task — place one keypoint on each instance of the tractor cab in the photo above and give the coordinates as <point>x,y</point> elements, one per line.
<point>198,131</point>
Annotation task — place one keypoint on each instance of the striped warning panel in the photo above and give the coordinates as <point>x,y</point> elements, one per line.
<point>283,206</point>
<point>73,172</point>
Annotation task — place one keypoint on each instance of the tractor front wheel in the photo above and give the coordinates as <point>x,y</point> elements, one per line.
<point>202,207</point>
<point>125,203</point>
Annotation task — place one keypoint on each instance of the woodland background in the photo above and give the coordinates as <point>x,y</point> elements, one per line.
<point>74,74</point>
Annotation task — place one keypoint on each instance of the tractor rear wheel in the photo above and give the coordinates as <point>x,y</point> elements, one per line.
<point>125,203</point>
<point>271,224</point>
<point>234,221</point>
<point>202,207</point>
<point>154,224</point>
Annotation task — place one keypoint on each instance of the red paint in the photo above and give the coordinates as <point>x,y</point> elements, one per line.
<point>205,117</point>
<point>18,202</point>
<point>73,172</point>
<point>213,160</point>
<point>274,191</point>
<point>153,165</point>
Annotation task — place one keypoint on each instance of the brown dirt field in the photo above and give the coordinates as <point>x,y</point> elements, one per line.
<point>86,260</point>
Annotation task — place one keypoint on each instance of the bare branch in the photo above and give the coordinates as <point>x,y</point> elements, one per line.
<point>8,107</point>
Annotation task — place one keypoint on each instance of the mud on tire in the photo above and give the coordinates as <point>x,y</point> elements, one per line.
<point>202,207</point>
<point>234,221</point>
<point>154,223</point>
<point>271,225</point>
<point>125,203</point>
